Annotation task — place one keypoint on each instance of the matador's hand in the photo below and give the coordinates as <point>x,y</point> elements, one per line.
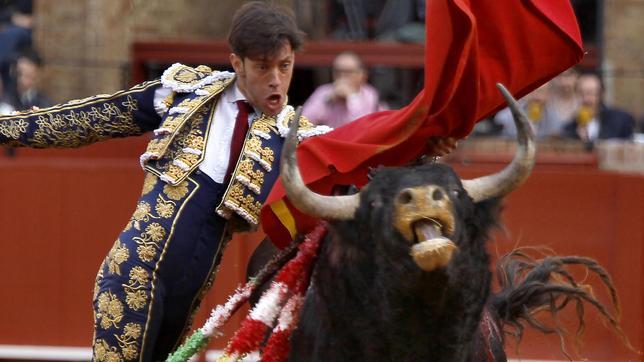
<point>440,146</point>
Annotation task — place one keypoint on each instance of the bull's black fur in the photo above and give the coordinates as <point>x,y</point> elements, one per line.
<point>369,301</point>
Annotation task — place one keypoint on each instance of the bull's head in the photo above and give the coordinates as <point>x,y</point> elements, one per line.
<point>423,206</point>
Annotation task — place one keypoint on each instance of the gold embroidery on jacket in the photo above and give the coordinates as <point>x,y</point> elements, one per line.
<point>305,124</point>
<point>163,151</point>
<point>13,128</point>
<point>177,123</point>
<point>245,174</point>
<point>265,125</point>
<point>191,103</point>
<point>189,137</point>
<point>176,192</point>
<point>168,100</point>
<point>81,127</point>
<point>244,205</point>
<point>191,75</point>
<point>264,155</point>
<point>253,179</point>
<point>149,183</point>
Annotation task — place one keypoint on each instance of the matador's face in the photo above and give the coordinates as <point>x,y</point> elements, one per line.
<point>265,80</point>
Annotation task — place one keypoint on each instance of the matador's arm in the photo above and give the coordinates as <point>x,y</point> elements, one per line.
<point>82,122</point>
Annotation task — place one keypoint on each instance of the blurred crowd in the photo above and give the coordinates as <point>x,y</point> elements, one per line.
<point>20,64</point>
<point>570,106</point>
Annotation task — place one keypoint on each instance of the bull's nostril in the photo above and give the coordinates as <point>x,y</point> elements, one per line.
<point>437,195</point>
<point>405,197</point>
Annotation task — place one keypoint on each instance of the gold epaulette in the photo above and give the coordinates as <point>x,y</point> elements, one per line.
<point>306,129</point>
<point>183,79</point>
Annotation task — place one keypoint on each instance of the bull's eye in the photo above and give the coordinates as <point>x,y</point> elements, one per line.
<point>437,195</point>
<point>456,193</point>
<point>405,197</point>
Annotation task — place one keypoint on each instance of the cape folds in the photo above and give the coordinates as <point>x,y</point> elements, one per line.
<point>470,46</point>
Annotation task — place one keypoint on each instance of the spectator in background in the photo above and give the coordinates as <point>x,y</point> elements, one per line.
<point>27,93</point>
<point>594,120</point>
<point>15,35</point>
<point>549,107</point>
<point>347,98</point>
<point>5,107</point>
<point>536,105</point>
<point>563,100</point>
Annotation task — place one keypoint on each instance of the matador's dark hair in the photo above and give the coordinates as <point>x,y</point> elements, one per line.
<point>259,30</point>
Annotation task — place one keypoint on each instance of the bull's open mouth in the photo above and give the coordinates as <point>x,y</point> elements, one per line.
<point>431,249</point>
<point>426,229</point>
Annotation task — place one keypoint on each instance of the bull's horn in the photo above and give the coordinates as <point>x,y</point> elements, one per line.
<point>513,175</point>
<point>307,201</point>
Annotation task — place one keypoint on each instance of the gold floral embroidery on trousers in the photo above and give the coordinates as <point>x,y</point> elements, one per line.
<point>141,213</point>
<point>164,208</point>
<point>110,310</point>
<point>148,241</point>
<point>117,255</point>
<point>136,296</point>
<point>128,340</point>
<point>103,352</point>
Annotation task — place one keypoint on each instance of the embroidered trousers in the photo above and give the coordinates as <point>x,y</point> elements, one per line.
<point>158,270</point>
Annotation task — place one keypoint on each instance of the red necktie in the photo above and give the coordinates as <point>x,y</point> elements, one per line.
<point>239,134</point>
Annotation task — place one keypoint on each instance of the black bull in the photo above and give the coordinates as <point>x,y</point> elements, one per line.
<point>403,273</point>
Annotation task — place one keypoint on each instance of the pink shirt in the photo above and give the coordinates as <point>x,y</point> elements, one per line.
<point>320,109</point>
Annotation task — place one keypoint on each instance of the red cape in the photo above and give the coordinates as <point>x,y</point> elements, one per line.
<point>470,46</point>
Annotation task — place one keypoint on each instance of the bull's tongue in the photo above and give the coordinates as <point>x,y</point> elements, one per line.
<point>432,250</point>
<point>426,230</point>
